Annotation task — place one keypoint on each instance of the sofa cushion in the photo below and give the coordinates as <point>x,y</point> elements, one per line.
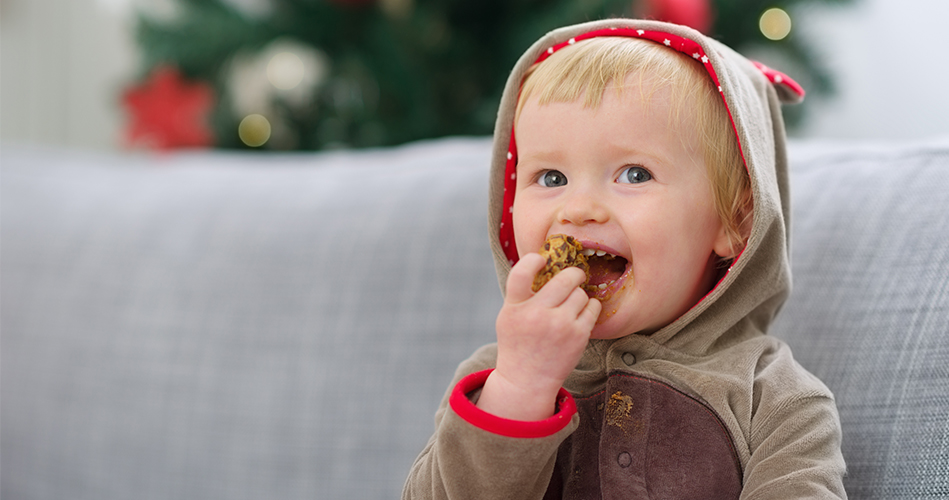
<point>869,313</point>
<point>225,326</point>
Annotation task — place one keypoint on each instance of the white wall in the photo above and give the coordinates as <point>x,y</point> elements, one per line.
<point>890,60</point>
<point>63,64</point>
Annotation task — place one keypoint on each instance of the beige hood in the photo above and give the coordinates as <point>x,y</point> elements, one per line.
<point>745,301</point>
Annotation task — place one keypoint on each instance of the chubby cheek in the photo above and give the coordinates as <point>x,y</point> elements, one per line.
<point>670,259</point>
<point>665,263</point>
<point>530,227</point>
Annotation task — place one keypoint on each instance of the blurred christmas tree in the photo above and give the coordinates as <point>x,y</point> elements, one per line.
<point>316,74</point>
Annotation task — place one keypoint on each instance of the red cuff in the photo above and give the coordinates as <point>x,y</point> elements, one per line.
<point>566,408</point>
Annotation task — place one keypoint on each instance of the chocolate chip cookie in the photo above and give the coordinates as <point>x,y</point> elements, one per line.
<point>561,252</point>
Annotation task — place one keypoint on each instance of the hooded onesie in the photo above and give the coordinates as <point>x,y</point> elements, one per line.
<point>709,406</point>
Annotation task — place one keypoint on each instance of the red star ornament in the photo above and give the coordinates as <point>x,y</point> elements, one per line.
<point>168,112</point>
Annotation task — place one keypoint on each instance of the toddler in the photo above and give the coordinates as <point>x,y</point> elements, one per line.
<point>662,152</point>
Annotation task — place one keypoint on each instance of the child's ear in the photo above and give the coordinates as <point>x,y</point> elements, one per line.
<point>726,248</point>
<point>732,238</point>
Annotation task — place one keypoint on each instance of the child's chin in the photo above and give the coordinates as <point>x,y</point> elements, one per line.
<point>607,327</point>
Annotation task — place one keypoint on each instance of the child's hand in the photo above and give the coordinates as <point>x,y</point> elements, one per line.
<point>541,337</point>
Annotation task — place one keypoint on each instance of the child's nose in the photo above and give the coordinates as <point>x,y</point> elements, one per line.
<point>584,208</point>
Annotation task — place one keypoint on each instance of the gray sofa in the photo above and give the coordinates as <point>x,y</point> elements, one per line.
<point>227,326</point>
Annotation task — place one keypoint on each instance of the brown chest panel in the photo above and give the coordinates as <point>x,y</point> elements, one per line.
<point>639,438</point>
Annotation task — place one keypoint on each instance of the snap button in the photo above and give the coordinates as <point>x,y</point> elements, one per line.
<point>629,358</point>
<point>624,459</point>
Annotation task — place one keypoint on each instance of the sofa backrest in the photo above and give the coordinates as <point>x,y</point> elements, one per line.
<point>223,326</point>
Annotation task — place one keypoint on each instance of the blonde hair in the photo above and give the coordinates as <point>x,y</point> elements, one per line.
<point>588,68</point>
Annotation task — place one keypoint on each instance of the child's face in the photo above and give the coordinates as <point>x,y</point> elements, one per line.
<point>630,179</point>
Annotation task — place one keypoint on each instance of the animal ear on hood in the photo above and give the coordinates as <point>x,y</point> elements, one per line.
<point>789,91</point>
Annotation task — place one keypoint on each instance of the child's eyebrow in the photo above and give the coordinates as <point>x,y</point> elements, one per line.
<point>551,157</point>
<point>652,156</point>
<point>555,156</point>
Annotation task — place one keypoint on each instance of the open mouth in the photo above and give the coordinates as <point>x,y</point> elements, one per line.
<point>606,272</point>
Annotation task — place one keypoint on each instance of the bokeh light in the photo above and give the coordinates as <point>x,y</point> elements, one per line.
<point>254,130</point>
<point>285,70</point>
<point>775,24</point>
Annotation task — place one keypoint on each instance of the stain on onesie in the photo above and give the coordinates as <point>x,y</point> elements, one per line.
<point>617,409</point>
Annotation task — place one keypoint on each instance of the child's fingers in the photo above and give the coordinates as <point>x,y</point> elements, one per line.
<point>521,277</point>
<point>590,313</point>
<point>561,286</point>
<point>575,302</point>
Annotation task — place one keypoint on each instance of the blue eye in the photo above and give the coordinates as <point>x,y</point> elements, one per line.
<point>552,178</point>
<point>634,175</point>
